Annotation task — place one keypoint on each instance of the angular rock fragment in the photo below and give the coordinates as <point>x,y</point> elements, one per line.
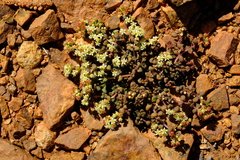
<point>55,96</point>
<point>220,98</point>
<point>222,49</point>
<point>12,152</point>
<point>213,132</point>
<point>73,139</point>
<point>25,80</point>
<point>22,16</point>
<point>46,28</point>
<point>203,83</point>
<point>4,111</point>
<point>125,143</point>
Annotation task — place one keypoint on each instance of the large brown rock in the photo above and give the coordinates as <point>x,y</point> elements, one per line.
<point>222,49</point>
<point>55,96</point>
<point>125,143</point>
<point>12,152</point>
<point>46,28</point>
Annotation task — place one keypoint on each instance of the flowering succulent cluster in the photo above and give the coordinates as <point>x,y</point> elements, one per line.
<point>122,75</point>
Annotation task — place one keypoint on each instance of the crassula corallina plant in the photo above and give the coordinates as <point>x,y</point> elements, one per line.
<point>123,75</point>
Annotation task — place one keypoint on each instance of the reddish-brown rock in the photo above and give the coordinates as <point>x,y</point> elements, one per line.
<point>124,143</point>
<point>235,123</point>
<point>73,139</point>
<point>46,28</point>
<point>235,69</point>
<point>67,155</point>
<point>11,40</point>
<point>24,117</point>
<point>112,4</point>
<point>5,28</point>
<point>15,103</point>
<point>171,153</point>
<point>29,144</point>
<point>43,136</point>
<point>203,83</point>
<point>12,152</point>
<point>55,96</point>
<point>4,80</point>
<point>222,49</point>
<point>112,22</point>
<point>213,132</point>
<point>22,16</point>
<point>3,64</point>
<point>141,16</point>
<point>25,80</point>
<point>220,98</point>
<point>90,120</point>
<point>152,4</point>
<point>16,130</point>
<point>3,108</point>
<point>234,81</point>
<point>225,18</point>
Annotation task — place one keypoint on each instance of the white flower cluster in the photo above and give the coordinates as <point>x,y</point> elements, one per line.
<point>92,30</point>
<point>85,50</point>
<point>101,57</point>
<point>102,106</point>
<point>164,58</point>
<point>161,132</point>
<point>112,121</point>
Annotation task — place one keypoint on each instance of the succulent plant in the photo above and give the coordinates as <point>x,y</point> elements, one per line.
<point>122,74</point>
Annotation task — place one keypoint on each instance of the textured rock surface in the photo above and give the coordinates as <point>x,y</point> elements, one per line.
<point>3,108</point>
<point>213,132</point>
<point>73,139</point>
<point>222,48</point>
<point>220,98</point>
<point>43,136</point>
<point>168,153</point>
<point>125,143</point>
<point>55,97</point>
<point>12,152</point>
<point>45,28</point>
<point>25,80</point>
<point>29,55</point>
<point>203,83</point>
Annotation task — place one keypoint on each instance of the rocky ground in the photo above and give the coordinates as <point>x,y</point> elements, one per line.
<point>39,116</point>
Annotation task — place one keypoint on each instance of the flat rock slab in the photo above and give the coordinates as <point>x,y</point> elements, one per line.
<point>12,152</point>
<point>125,143</point>
<point>73,139</point>
<point>222,49</point>
<point>55,96</point>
